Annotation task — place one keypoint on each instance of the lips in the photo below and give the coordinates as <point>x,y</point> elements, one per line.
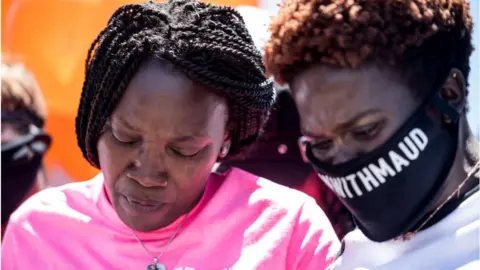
<point>143,206</point>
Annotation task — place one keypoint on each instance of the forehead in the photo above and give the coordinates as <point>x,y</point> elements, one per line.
<point>160,97</point>
<point>327,97</point>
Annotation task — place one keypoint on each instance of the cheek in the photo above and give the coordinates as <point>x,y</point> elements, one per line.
<point>191,176</point>
<point>113,160</point>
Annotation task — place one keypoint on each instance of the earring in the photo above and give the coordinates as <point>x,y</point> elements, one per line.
<point>164,183</point>
<point>224,150</point>
<point>137,163</point>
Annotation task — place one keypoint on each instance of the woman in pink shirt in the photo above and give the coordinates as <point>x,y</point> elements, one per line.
<point>170,89</point>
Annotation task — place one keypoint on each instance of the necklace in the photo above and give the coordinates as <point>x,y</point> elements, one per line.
<point>409,235</point>
<point>156,265</point>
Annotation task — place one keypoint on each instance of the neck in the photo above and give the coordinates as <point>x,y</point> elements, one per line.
<point>467,156</point>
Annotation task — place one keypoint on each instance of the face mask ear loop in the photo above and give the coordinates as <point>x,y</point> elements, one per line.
<point>446,109</point>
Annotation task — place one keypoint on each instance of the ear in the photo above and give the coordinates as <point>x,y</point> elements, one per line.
<point>302,144</point>
<point>454,90</point>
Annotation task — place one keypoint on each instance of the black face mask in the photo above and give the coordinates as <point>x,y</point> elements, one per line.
<point>388,190</point>
<point>21,160</point>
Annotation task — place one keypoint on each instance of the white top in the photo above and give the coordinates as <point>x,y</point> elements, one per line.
<point>452,243</point>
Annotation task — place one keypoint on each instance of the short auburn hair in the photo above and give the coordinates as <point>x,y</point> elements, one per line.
<point>420,39</point>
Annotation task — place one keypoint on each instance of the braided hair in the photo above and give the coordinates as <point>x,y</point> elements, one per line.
<point>209,43</point>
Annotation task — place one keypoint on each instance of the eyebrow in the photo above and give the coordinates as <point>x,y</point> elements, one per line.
<point>308,133</point>
<point>350,122</point>
<point>125,123</point>
<point>190,138</point>
<point>359,117</point>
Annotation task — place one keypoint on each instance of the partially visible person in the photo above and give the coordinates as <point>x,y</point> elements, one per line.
<point>24,142</point>
<point>277,155</point>
<point>171,88</point>
<point>381,88</point>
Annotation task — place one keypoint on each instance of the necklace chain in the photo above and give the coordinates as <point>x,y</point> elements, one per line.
<point>409,235</point>
<point>155,258</point>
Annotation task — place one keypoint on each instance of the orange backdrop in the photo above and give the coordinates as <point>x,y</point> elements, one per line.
<point>52,37</point>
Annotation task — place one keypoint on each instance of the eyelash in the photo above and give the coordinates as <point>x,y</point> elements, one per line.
<point>363,134</point>
<point>321,145</point>
<point>369,132</point>
<point>123,143</point>
<point>175,152</point>
<point>182,156</point>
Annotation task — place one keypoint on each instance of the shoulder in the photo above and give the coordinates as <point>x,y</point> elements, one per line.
<point>292,214</point>
<point>69,199</point>
<point>428,249</point>
<point>260,190</point>
<point>49,214</point>
<point>278,202</point>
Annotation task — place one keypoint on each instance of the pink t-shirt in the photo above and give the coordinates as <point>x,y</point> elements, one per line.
<point>242,222</point>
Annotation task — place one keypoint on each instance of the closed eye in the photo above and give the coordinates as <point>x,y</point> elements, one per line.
<point>124,140</point>
<point>368,132</point>
<point>323,144</point>
<point>185,153</point>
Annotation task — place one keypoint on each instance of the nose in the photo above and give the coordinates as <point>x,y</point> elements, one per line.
<point>148,180</point>
<point>149,170</point>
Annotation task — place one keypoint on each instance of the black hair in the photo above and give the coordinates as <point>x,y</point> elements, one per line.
<point>209,43</point>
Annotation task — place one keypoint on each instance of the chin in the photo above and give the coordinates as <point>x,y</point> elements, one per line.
<point>139,224</point>
<point>147,227</point>
<point>141,221</point>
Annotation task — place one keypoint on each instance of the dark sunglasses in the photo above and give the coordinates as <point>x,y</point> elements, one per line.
<point>26,146</point>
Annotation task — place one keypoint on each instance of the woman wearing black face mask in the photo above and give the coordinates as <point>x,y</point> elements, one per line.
<point>23,141</point>
<point>381,88</point>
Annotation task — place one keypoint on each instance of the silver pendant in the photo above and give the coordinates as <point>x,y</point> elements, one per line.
<point>156,266</point>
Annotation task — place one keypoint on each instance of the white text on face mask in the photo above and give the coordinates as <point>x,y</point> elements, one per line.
<point>375,174</point>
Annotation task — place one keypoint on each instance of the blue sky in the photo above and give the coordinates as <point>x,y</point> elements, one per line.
<point>474,114</point>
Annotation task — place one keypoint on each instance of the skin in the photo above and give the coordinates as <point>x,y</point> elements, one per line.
<point>349,113</point>
<point>160,144</point>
